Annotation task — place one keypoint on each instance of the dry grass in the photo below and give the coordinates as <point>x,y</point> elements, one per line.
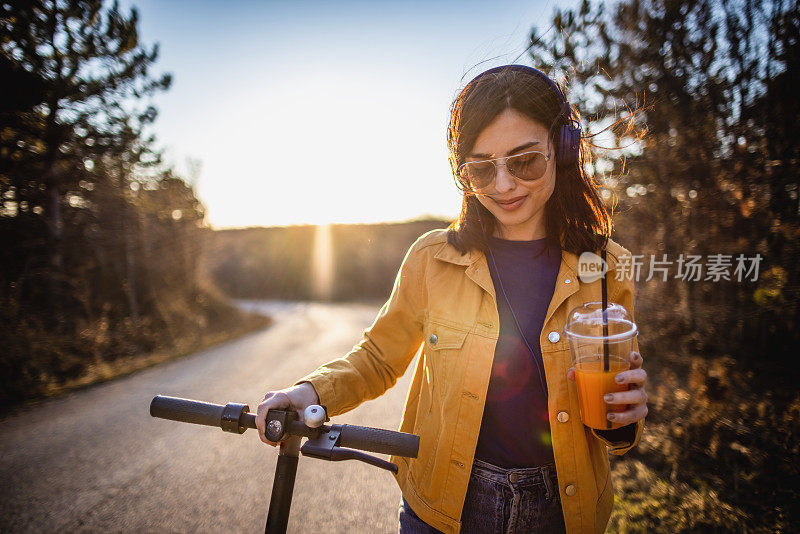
<point>42,362</point>
<point>719,452</point>
<point>101,371</point>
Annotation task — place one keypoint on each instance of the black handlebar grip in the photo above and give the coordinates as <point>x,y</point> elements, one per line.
<point>379,440</point>
<point>187,411</point>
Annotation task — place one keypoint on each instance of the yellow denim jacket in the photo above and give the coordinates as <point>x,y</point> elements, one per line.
<point>445,302</point>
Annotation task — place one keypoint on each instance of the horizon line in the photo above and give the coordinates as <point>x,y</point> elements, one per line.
<point>421,218</point>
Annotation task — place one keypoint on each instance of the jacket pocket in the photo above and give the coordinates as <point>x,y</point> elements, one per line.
<point>443,344</point>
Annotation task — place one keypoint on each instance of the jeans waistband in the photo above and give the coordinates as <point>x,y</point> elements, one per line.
<point>515,475</point>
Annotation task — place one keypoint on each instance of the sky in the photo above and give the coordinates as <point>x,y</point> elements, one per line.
<point>323,112</point>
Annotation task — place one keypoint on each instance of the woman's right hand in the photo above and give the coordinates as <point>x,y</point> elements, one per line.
<point>296,398</point>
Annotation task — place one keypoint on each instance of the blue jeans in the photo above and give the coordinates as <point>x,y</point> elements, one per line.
<point>502,501</point>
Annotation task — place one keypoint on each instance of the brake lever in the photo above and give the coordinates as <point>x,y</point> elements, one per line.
<point>342,453</point>
<point>324,447</point>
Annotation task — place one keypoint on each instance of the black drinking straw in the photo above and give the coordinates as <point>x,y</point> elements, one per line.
<point>605,324</point>
<point>605,316</point>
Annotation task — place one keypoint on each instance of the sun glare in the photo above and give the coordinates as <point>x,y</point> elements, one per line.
<point>322,262</point>
<point>327,149</point>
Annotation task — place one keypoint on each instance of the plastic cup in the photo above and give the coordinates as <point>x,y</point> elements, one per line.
<point>599,353</point>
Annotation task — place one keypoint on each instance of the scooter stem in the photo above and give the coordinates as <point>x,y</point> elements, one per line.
<point>283,486</point>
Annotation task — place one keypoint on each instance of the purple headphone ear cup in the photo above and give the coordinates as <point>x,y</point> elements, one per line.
<point>568,144</point>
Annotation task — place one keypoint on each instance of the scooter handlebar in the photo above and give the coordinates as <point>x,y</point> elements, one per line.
<point>236,418</point>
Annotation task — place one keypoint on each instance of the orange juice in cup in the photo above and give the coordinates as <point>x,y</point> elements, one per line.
<point>593,383</point>
<point>600,344</point>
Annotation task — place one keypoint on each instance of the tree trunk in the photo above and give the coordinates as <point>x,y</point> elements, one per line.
<point>55,228</point>
<point>130,271</point>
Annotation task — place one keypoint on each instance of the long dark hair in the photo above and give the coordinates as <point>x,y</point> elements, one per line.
<point>576,218</point>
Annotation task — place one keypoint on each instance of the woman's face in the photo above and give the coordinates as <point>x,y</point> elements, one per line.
<point>517,205</point>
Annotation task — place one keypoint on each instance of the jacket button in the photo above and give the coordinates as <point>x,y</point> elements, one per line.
<point>553,337</point>
<point>570,490</point>
<point>433,339</point>
<point>567,280</point>
<point>563,417</point>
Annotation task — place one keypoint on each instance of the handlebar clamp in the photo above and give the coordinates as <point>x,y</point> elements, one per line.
<point>231,418</point>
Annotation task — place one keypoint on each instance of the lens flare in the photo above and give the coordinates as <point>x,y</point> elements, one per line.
<point>322,262</point>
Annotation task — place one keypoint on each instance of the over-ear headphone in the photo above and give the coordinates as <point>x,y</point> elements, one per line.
<point>569,135</point>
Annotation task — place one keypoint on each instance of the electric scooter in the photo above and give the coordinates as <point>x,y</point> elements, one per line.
<point>325,442</point>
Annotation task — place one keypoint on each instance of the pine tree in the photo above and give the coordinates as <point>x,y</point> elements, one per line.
<point>90,76</point>
<point>713,83</point>
<point>98,238</point>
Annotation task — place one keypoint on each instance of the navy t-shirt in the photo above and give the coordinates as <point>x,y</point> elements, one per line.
<point>515,431</point>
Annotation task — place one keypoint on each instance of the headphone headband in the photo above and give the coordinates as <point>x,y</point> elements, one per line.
<point>530,70</point>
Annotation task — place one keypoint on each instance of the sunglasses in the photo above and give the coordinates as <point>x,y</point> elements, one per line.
<point>527,166</point>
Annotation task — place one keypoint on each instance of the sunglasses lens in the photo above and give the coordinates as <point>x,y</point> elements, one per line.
<point>531,166</point>
<point>478,174</point>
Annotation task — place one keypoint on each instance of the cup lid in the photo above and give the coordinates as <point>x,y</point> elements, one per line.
<point>586,323</point>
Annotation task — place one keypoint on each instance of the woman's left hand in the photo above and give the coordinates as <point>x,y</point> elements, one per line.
<point>636,396</point>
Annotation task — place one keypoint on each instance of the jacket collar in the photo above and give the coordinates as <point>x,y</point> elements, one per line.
<point>449,253</point>
<point>478,271</point>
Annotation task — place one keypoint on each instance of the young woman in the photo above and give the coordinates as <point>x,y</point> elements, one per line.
<point>502,447</point>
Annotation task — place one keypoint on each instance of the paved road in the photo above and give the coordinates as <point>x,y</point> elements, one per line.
<point>95,461</point>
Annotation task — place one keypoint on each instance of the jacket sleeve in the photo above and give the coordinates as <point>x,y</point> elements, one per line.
<point>385,350</point>
<point>621,440</point>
